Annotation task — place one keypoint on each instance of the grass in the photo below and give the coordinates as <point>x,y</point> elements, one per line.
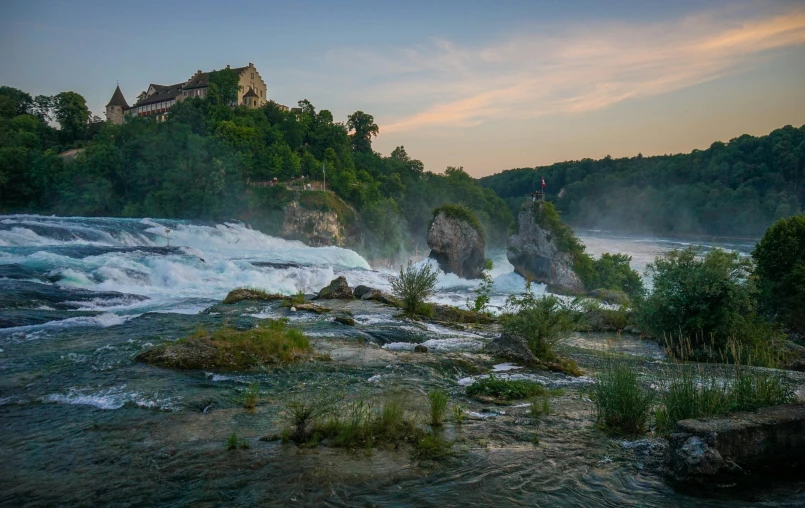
<point>694,393</point>
<point>438,406</point>
<point>539,406</point>
<point>232,442</point>
<point>432,447</point>
<point>622,404</point>
<point>250,396</point>
<point>507,389</point>
<point>458,413</point>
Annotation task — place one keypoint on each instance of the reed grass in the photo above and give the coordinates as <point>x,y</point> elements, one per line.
<point>622,404</point>
<point>438,406</point>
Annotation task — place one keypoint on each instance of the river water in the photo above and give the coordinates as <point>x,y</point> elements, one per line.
<point>82,423</point>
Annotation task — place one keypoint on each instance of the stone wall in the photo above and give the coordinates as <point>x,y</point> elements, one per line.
<point>250,78</point>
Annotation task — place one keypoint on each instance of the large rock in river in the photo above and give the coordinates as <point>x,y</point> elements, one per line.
<point>338,289</point>
<point>456,244</point>
<point>535,255</point>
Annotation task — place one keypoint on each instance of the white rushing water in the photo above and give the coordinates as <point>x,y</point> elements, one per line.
<point>206,261</point>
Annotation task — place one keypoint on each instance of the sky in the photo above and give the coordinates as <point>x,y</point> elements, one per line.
<point>487,85</point>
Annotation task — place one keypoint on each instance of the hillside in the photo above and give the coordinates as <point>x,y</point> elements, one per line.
<point>731,189</point>
<point>208,160</point>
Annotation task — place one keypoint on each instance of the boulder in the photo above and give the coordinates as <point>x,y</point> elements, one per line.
<point>367,293</point>
<point>535,255</point>
<point>419,348</point>
<point>714,449</point>
<point>457,245</point>
<point>511,347</point>
<point>240,294</point>
<point>609,296</point>
<point>361,290</point>
<point>338,289</point>
<point>310,307</point>
<point>345,320</point>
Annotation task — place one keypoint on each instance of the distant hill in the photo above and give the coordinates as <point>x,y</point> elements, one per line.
<point>731,189</point>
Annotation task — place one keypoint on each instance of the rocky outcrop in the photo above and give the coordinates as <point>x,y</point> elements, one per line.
<point>314,227</point>
<point>511,347</point>
<point>712,449</point>
<point>338,289</point>
<point>456,245</point>
<point>534,253</point>
<point>240,294</point>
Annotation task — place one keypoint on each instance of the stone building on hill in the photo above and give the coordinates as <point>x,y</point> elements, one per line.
<point>158,99</point>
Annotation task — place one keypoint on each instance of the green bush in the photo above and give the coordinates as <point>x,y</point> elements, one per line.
<point>780,270</point>
<point>622,404</point>
<point>612,271</point>
<point>706,299</point>
<point>413,286</point>
<point>505,389</point>
<point>541,322</point>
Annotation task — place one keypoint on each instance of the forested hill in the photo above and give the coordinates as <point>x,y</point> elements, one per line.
<point>202,162</point>
<point>732,189</point>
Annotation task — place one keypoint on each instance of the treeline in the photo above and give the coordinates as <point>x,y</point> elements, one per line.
<point>733,189</point>
<point>197,165</point>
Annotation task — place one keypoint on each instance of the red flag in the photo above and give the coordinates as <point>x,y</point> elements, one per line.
<point>543,182</point>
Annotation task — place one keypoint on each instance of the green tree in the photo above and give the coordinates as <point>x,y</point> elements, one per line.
<point>224,87</point>
<point>72,114</point>
<point>364,127</point>
<point>780,269</point>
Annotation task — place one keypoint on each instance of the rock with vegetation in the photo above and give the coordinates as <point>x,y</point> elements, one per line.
<point>314,227</point>
<point>240,294</point>
<point>338,289</point>
<point>311,307</point>
<point>610,296</point>
<point>345,320</point>
<point>270,343</point>
<point>457,242</point>
<point>512,347</point>
<point>450,314</point>
<point>713,448</point>
<point>544,250</point>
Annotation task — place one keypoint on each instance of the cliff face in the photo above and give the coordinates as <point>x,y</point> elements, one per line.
<point>535,255</point>
<point>314,227</point>
<point>457,246</point>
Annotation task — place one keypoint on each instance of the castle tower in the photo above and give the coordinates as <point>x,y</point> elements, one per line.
<point>117,105</point>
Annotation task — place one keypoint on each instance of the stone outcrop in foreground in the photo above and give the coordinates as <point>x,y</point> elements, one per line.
<point>535,255</point>
<point>712,449</point>
<point>456,245</point>
<point>338,289</point>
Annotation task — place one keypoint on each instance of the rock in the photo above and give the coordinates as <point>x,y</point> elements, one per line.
<point>314,227</point>
<point>293,309</point>
<point>456,245</point>
<point>311,307</point>
<point>240,294</point>
<point>345,320</point>
<point>511,347</point>
<point>338,289</point>
<point>191,354</point>
<point>712,449</point>
<point>609,296</point>
<point>361,290</point>
<point>535,255</point>
<point>419,348</point>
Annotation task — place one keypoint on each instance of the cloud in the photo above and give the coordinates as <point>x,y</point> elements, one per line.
<point>566,71</point>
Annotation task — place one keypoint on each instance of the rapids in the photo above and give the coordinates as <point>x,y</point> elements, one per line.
<point>82,423</point>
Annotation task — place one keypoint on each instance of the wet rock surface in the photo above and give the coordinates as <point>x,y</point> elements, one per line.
<point>457,246</point>
<point>511,347</point>
<point>711,449</point>
<point>338,289</point>
<point>535,255</point>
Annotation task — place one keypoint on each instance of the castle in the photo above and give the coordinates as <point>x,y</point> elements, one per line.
<point>159,98</point>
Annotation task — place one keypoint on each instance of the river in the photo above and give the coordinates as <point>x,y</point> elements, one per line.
<point>83,423</point>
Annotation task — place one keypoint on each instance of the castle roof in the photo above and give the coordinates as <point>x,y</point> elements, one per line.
<point>161,93</point>
<point>250,93</point>
<point>118,99</point>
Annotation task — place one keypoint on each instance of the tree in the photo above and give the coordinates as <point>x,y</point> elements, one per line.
<point>224,87</point>
<point>780,259</point>
<point>364,128</point>
<point>72,114</point>
<point>14,102</point>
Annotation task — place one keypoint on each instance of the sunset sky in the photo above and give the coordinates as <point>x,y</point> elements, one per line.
<point>484,85</point>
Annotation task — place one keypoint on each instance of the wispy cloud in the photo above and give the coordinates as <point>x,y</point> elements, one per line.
<point>572,70</point>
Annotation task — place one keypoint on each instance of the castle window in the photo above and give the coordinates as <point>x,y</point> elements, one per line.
<point>252,75</point>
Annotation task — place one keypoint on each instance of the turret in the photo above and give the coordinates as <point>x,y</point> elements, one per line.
<point>116,107</point>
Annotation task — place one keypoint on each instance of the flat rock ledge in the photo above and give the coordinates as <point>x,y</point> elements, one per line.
<point>709,450</point>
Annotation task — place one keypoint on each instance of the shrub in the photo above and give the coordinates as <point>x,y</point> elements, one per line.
<point>432,447</point>
<point>780,270</point>
<point>506,389</point>
<point>303,408</point>
<point>250,396</point>
<point>458,413</point>
<point>541,322</point>
<point>483,291</point>
<point>706,299</point>
<point>414,285</point>
<point>438,406</point>
<point>612,271</point>
<point>539,406</point>
<point>232,442</point>
<point>621,403</point>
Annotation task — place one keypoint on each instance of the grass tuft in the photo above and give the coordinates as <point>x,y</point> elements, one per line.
<point>622,404</point>
<point>505,389</point>
<point>438,406</point>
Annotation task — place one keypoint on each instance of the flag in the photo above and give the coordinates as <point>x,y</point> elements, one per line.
<point>543,182</point>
